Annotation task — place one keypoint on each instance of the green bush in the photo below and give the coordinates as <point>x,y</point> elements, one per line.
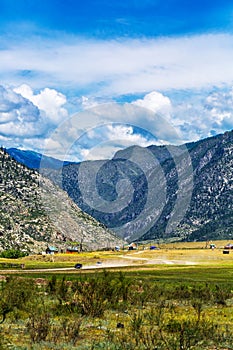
<point>116,312</point>
<point>12,254</point>
<point>16,294</point>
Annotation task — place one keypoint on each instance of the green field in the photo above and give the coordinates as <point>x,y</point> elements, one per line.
<point>177,297</point>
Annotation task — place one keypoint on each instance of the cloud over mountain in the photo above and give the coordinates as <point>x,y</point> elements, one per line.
<point>27,118</point>
<point>172,58</point>
<point>48,101</point>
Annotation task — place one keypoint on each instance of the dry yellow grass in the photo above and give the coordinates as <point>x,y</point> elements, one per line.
<point>190,253</point>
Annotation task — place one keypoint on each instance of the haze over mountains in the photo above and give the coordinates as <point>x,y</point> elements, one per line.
<point>209,210</point>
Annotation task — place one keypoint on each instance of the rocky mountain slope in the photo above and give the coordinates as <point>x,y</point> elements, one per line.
<point>208,213</point>
<point>34,213</point>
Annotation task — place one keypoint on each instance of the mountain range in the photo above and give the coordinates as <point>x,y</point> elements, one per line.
<point>33,159</point>
<point>35,213</point>
<point>145,185</point>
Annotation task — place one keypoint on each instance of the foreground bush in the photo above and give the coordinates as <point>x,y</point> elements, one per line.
<point>112,311</point>
<point>16,295</point>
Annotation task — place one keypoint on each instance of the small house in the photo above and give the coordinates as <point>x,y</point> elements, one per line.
<point>132,246</point>
<point>51,250</point>
<point>72,250</point>
<point>229,246</point>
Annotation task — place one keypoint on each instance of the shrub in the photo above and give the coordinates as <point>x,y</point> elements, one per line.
<point>16,293</point>
<point>39,325</point>
<point>94,295</point>
<point>13,254</point>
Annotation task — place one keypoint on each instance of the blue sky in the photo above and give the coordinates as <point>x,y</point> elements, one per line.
<point>107,19</point>
<point>59,57</point>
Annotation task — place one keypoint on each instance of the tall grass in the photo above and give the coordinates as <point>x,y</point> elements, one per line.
<point>115,311</point>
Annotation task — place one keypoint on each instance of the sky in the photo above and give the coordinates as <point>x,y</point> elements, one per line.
<point>85,79</point>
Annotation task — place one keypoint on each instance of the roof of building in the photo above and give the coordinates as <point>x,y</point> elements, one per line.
<point>52,248</point>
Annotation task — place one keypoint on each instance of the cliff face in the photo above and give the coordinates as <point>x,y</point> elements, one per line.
<point>34,213</point>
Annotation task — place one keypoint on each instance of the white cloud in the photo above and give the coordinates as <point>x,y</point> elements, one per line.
<point>106,69</point>
<point>88,102</point>
<point>49,101</point>
<point>127,134</point>
<point>196,117</point>
<point>114,138</point>
<point>18,116</point>
<point>101,151</point>
<point>26,119</point>
<point>109,127</point>
<point>121,66</point>
<point>13,107</point>
<point>204,115</point>
<point>220,107</point>
<point>155,101</point>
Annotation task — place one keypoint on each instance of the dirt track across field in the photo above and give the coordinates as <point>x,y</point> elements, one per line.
<point>144,259</point>
<point>131,262</point>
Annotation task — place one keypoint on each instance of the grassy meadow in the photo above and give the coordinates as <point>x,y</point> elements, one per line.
<point>181,253</point>
<point>179,297</point>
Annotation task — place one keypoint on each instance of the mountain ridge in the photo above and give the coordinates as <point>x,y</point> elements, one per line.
<point>33,159</point>
<point>35,213</point>
<point>209,214</point>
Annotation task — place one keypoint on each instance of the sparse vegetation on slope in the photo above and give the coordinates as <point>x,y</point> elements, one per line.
<point>210,212</point>
<point>35,213</point>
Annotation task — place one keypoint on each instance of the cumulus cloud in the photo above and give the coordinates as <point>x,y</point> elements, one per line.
<point>105,150</point>
<point>220,107</point>
<point>113,139</point>
<point>129,135</point>
<point>110,126</point>
<point>205,114</point>
<point>100,131</point>
<point>14,107</point>
<point>26,119</point>
<point>18,116</point>
<point>104,69</point>
<point>49,101</point>
<point>88,102</point>
<point>157,102</point>
<point>197,117</point>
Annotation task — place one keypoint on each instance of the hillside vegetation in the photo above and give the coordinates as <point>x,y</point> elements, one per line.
<point>209,214</point>
<point>35,213</point>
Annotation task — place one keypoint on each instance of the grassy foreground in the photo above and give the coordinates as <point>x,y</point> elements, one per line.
<point>178,297</point>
